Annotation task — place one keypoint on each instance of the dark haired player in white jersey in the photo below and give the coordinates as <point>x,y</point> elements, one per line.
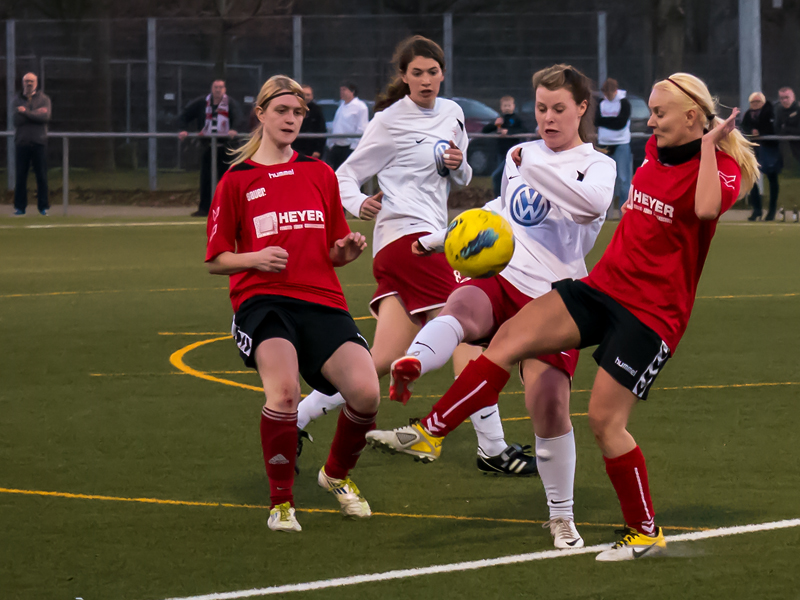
<point>636,302</point>
<point>277,228</point>
<point>556,201</point>
<point>416,146</point>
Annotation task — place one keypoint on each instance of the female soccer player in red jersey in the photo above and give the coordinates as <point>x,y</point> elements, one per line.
<point>416,146</point>
<point>277,228</point>
<point>636,302</point>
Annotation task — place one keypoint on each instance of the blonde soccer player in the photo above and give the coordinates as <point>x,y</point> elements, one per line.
<point>278,230</point>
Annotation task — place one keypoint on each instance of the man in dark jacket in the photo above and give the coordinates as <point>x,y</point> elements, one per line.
<point>216,113</point>
<point>32,111</point>
<point>508,123</point>
<point>313,122</point>
<point>787,118</point>
<point>760,120</point>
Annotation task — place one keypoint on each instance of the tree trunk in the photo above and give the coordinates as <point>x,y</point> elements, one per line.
<point>100,97</point>
<point>669,34</point>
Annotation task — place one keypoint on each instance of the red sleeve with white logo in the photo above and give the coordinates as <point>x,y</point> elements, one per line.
<point>654,261</point>
<point>221,225</point>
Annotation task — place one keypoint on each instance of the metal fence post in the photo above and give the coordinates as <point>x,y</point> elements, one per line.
<point>448,54</point>
<point>214,173</point>
<point>749,49</point>
<point>65,173</point>
<point>152,157</point>
<point>179,104</point>
<point>297,48</point>
<point>602,48</point>
<point>11,61</point>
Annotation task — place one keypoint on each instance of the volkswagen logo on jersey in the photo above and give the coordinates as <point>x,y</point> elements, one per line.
<point>528,207</point>
<point>439,148</point>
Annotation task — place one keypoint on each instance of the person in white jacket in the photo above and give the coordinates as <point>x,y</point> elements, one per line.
<point>613,121</point>
<point>416,145</point>
<point>555,193</point>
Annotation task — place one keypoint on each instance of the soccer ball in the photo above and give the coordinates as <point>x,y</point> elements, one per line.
<point>479,243</point>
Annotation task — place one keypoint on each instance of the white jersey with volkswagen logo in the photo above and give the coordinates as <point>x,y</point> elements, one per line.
<point>404,146</point>
<point>556,203</point>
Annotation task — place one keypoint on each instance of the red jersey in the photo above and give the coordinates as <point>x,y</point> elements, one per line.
<point>294,205</point>
<point>653,263</point>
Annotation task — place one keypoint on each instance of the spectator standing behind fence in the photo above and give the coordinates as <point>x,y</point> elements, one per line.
<point>508,123</point>
<point>787,118</point>
<point>32,111</point>
<point>613,121</point>
<point>760,120</point>
<point>314,122</point>
<point>352,116</point>
<point>215,113</point>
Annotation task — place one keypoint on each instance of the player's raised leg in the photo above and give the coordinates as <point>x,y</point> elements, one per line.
<point>547,392</point>
<point>609,409</point>
<point>276,361</point>
<point>350,369</point>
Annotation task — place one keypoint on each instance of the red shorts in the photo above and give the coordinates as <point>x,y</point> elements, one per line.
<point>422,283</point>
<point>506,302</point>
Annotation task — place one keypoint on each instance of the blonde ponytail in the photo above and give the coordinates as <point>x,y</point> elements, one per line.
<point>274,85</point>
<point>691,92</point>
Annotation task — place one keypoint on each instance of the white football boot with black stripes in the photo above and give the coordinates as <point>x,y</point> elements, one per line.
<point>514,461</point>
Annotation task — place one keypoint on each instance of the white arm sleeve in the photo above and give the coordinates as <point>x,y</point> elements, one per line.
<point>375,151</point>
<point>584,200</point>
<point>463,174</point>
<point>434,241</point>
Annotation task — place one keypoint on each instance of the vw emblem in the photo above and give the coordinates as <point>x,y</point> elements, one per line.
<point>439,148</point>
<point>528,207</point>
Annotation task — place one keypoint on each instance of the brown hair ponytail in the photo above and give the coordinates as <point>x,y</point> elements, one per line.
<point>406,51</point>
<point>578,84</point>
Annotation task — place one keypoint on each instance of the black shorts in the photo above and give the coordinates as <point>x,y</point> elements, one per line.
<point>631,352</point>
<point>316,332</point>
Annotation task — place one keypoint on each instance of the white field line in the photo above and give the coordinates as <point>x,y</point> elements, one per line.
<point>115,224</point>
<point>478,564</point>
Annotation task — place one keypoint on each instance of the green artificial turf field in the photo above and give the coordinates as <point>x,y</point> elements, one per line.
<point>122,477</point>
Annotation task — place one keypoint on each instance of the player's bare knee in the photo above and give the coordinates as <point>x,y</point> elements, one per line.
<point>365,397</point>
<point>284,397</point>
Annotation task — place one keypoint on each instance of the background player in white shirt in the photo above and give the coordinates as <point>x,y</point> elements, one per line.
<point>555,201</point>
<point>415,145</point>
<point>351,116</point>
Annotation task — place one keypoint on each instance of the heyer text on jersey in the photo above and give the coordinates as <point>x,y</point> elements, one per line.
<point>652,206</point>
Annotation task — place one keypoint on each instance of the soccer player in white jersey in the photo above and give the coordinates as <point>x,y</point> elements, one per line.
<point>555,194</point>
<point>416,146</point>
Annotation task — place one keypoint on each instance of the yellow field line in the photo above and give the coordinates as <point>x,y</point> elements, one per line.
<point>346,285</point>
<point>307,510</point>
<point>176,359</point>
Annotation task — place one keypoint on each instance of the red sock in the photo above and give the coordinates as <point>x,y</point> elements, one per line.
<point>478,386</point>
<point>279,444</point>
<point>628,475</point>
<point>348,441</point>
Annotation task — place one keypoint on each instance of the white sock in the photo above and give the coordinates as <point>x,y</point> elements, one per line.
<point>316,404</point>
<point>436,342</point>
<point>489,427</point>
<point>555,459</point>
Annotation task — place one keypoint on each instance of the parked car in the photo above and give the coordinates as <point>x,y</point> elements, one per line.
<point>482,153</point>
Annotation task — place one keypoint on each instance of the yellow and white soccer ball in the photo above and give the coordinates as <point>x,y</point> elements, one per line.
<point>479,243</point>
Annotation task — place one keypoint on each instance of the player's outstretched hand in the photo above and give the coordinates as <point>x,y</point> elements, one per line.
<point>516,156</point>
<point>453,157</point>
<point>721,131</point>
<point>271,259</point>
<point>417,249</point>
<point>348,249</point>
<point>371,207</point>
